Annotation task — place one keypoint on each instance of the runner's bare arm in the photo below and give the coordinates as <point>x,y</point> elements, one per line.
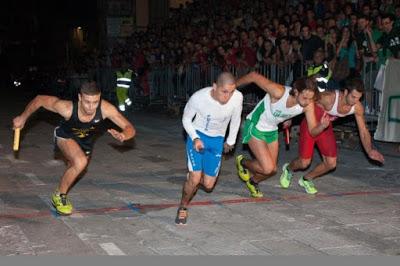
<point>365,136</point>
<point>109,111</point>
<point>50,103</point>
<point>315,127</point>
<point>275,90</point>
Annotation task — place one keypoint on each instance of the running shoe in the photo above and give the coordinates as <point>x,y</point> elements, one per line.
<point>242,172</point>
<point>61,203</point>
<point>254,190</point>
<point>286,176</point>
<point>181,216</point>
<point>308,185</point>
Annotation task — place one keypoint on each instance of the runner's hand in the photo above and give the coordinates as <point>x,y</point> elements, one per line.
<point>116,134</point>
<point>287,124</point>
<point>228,148</point>
<point>376,155</point>
<point>325,120</point>
<point>198,145</point>
<point>18,122</point>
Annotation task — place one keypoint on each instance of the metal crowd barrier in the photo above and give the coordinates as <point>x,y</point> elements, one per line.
<point>371,99</point>
<point>175,84</point>
<point>181,82</point>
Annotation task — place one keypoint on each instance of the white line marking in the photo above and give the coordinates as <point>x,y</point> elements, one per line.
<point>35,180</point>
<point>379,168</point>
<point>392,238</point>
<point>52,163</point>
<point>338,247</point>
<point>86,237</point>
<point>112,249</point>
<point>76,215</point>
<point>373,221</point>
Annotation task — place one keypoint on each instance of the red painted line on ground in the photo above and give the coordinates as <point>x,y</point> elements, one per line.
<point>144,207</point>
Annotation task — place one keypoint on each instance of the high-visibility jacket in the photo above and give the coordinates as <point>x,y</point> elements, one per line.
<point>323,72</point>
<point>124,80</point>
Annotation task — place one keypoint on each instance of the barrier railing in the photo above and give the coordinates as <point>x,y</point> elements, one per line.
<point>180,82</point>
<point>175,84</point>
<point>371,99</point>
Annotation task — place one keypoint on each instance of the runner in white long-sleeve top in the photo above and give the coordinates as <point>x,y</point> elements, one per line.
<point>206,118</point>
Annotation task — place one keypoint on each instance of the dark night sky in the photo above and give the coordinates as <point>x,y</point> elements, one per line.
<point>41,26</point>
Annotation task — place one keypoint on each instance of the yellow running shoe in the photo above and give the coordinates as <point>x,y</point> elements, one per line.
<point>61,203</point>
<point>254,190</point>
<point>242,172</point>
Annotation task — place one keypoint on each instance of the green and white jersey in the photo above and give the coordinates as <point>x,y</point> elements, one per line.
<point>267,115</point>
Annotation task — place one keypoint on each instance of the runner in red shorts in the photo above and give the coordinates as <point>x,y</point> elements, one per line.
<point>337,104</point>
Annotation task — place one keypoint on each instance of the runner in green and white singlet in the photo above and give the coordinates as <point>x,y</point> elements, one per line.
<point>260,130</point>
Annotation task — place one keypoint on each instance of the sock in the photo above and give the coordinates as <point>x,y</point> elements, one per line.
<point>242,164</point>
<point>252,182</point>
<point>289,170</point>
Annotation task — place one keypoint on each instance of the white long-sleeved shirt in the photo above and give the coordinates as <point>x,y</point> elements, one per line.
<point>211,117</point>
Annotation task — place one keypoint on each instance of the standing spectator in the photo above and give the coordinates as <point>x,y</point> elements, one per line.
<point>285,52</point>
<point>269,56</point>
<point>310,43</point>
<point>331,41</point>
<point>319,8</point>
<point>397,16</point>
<point>390,40</point>
<point>311,22</point>
<point>366,39</point>
<point>268,35</point>
<point>347,50</point>
<point>260,50</point>
<point>366,10</point>
<point>295,30</point>
<point>282,33</point>
<point>320,32</point>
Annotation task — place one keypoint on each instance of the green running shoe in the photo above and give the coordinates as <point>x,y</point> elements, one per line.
<point>242,172</point>
<point>254,190</point>
<point>61,203</point>
<point>308,185</point>
<point>286,176</point>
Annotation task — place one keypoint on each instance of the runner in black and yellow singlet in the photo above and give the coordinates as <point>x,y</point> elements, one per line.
<point>74,137</point>
<point>82,132</point>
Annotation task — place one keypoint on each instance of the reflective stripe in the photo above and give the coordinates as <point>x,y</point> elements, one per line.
<point>123,86</point>
<point>322,79</point>
<point>122,107</point>
<point>124,79</point>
